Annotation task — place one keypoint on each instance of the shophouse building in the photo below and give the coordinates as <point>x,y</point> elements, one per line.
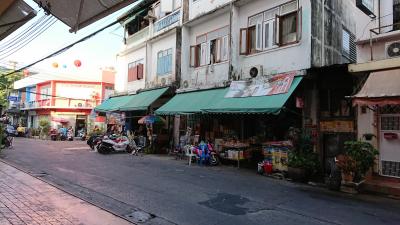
<point>378,100</point>
<point>303,45</point>
<point>63,100</point>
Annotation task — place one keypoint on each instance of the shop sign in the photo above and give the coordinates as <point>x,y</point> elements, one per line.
<point>12,98</point>
<point>279,84</point>
<point>340,126</point>
<point>367,6</point>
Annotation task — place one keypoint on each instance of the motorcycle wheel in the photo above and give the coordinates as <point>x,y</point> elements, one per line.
<point>91,146</point>
<point>214,161</point>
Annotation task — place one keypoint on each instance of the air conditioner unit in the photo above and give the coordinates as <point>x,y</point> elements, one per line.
<point>163,81</point>
<point>392,49</point>
<point>253,71</point>
<point>150,15</point>
<point>185,84</point>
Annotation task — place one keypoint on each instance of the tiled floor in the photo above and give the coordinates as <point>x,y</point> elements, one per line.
<point>29,201</point>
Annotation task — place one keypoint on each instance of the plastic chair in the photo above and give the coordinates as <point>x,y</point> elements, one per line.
<point>189,153</point>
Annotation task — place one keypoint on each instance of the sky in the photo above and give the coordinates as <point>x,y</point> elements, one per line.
<point>98,52</point>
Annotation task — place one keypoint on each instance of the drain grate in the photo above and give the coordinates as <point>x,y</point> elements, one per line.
<point>140,216</point>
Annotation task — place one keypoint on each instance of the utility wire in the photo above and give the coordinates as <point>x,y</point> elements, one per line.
<point>14,48</point>
<point>23,44</point>
<point>69,46</point>
<point>22,33</point>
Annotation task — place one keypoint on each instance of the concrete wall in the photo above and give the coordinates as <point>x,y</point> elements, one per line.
<point>208,75</point>
<point>280,59</point>
<point>160,43</point>
<point>121,81</point>
<point>328,20</point>
<point>200,7</point>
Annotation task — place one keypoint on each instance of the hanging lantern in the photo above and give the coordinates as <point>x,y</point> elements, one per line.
<point>26,72</point>
<point>55,65</point>
<point>77,63</point>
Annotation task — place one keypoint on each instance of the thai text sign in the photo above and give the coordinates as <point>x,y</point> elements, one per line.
<point>279,84</point>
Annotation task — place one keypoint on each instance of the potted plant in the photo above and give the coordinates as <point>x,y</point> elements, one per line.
<point>44,128</point>
<point>368,136</point>
<point>357,160</point>
<point>303,163</point>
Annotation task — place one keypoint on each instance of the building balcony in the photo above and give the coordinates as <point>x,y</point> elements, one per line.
<point>167,22</point>
<point>138,37</point>
<point>60,103</point>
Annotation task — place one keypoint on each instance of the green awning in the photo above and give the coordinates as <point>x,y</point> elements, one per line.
<point>142,100</point>
<point>190,102</point>
<point>214,101</point>
<point>112,104</point>
<point>271,104</point>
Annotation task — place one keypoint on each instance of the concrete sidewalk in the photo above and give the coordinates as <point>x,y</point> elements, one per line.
<point>27,200</point>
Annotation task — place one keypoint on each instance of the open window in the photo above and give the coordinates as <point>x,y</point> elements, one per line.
<point>272,28</point>
<point>211,48</point>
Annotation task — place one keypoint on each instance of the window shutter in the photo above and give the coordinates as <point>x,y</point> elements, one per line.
<point>203,54</point>
<point>135,73</point>
<point>218,50</point>
<point>193,56</point>
<point>225,48</point>
<point>299,24</point>
<point>244,41</point>
<point>159,59</point>
<point>169,63</point>
<point>259,36</point>
<point>266,35</point>
<point>277,30</point>
<point>208,59</point>
<point>140,71</point>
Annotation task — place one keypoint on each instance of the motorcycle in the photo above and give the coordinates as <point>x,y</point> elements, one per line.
<point>82,134</point>
<point>94,141</point>
<point>70,135</point>
<point>205,153</point>
<point>114,144</point>
<point>53,135</point>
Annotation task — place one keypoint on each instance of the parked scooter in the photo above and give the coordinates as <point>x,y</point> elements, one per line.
<point>53,134</point>
<point>82,134</point>
<point>94,141</point>
<point>206,154</point>
<point>113,143</point>
<point>70,135</point>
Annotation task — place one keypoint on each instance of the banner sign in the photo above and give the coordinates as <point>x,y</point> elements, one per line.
<point>278,84</point>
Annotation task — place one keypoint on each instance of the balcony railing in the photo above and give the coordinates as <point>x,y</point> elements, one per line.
<point>60,103</point>
<point>138,37</point>
<point>381,39</point>
<point>167,21</point>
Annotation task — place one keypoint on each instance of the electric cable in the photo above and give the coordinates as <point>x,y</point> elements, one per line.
<point>22,33</point>
<point>70,45</point>
<point>28,35</point>
<point>23,44</point>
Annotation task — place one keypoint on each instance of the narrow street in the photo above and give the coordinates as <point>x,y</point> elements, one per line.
<point>161,190</point>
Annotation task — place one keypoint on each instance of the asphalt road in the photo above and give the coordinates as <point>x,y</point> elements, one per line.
<point>161,190</point>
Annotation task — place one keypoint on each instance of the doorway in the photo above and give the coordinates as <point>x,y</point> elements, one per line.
<point>80,123</point>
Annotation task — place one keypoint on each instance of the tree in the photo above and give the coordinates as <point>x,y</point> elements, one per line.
<point>6,84</point>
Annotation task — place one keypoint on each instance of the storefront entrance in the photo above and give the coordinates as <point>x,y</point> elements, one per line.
<point>80,123</point>
<point>390,145</point>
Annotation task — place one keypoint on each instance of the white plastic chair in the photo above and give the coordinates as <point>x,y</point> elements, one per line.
<point>189,153</point>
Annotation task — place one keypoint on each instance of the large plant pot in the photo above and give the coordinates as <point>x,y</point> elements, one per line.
<point>297,174</point>
<point>347,178</point>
